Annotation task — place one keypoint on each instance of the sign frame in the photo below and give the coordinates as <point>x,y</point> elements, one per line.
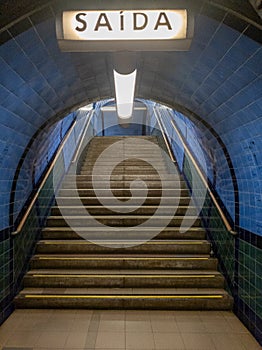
<point>125,45</point>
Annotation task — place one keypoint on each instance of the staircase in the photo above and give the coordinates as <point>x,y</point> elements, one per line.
<point>120,264</point>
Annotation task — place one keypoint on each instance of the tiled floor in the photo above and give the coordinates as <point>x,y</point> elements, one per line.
<point>124,330</point>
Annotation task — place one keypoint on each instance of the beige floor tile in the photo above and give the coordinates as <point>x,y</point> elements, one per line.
<point>83,314</point>
<point>225,341</point>
<point>179,314</point>
<point>53,349</point>
<point>23,339</point>
<point>140,341</point>
<point>52,339</point>
<point>111,326</point>
<point>216,326</point>
<point>106,340</point>
<point>90,340</point>
<point>4,336</point>
<point>161,315</point>
<point>168,341</point>
<point>210,315</point>
<point>249,342</point>
<point>164,326</point>
<point>235,325</point>
<point>112,315</point>
<point>63,315</point>
<point>138,315</point>
<point>80,325</point>
<point>198,341</point>
<point>138,326</point>
<point>35,313</point>
<point>76,340</point>
<point>12,324</point>
<point>59,326</point>
<point>191,326</point>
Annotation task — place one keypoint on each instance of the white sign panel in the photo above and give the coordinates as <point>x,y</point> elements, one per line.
<point>125,25</point>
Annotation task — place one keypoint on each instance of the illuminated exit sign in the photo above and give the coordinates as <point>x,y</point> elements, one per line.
<point>138,30</point>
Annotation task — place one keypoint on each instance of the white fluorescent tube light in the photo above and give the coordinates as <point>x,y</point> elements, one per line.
<point>86,108</point>
<point>125,91</point>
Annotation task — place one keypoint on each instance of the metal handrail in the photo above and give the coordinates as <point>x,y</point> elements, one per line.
<point>83,136</point>
<point>164,133</point>
<point>201,175</point>
<point>23,220</point>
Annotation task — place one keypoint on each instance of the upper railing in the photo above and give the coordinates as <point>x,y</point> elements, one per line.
<point>166,136</point>
<point>79,142</point>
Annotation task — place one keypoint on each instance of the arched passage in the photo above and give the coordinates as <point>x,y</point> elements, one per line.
<point>218,80</point>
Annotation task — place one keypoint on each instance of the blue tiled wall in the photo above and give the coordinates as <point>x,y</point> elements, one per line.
<point>239,256</point>
<point>15,251</point>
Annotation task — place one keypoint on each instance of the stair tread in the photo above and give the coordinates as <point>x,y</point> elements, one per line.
<point>125,291</point>
<point>121,256</point>
<point>126,272</point>
<point>121,216</point>
<point>126,197</point>
<point>142,229</point>
<point>119,206</point>
<point>155,242</point>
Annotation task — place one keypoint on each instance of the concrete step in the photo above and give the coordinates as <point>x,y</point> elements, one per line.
<point>124,171</point>
<point>122,192</point>
<point>69,261</point>
<point>155,166</point>
<point>115,210</point>
<point>123,266</point>
<point>123,279</point>
<point>121,220</point>
<point>125,298</point>
<point>109,201</point>
<point>157,184</point>
<point>130,161</point>
<point>169,233</point>
<point>126,177</point>
<point>123,247</point>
